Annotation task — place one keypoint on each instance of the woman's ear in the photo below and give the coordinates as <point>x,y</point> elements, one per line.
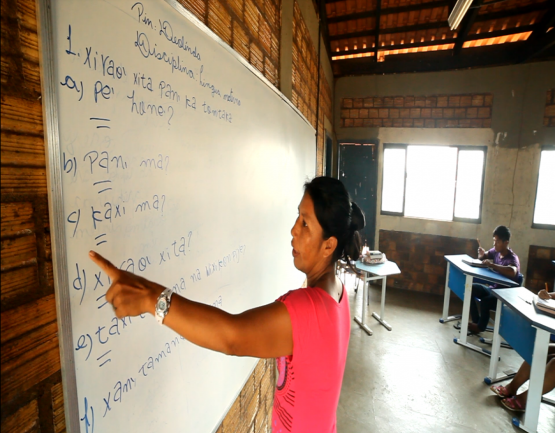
<point>330,245</point>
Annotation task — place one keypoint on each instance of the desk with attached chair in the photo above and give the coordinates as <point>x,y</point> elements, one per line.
<point>459,279</point>
<point>527,331</point>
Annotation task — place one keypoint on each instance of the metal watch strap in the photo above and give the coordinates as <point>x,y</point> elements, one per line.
<point>161,315</point>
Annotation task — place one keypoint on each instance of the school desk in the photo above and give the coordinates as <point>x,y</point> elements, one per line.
<point>459,280</point>
<point>375,272</point>
<point>527,331</point>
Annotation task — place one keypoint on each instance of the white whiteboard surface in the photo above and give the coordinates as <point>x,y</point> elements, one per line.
<point>172,157</point>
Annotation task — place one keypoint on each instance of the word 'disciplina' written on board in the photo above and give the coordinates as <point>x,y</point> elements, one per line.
<point>156,99</point>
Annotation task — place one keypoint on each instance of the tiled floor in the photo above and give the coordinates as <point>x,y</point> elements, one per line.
<point>414,378</point>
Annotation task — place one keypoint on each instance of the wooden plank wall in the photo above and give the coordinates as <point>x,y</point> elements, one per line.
<point>31,392</point>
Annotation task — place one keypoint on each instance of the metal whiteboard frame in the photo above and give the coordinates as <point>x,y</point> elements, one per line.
<point>56,211</point>
<point>54,171</point>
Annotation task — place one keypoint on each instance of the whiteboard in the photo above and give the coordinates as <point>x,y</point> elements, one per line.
<point>178,161</point>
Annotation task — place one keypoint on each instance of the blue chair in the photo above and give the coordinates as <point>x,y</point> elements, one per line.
<point>520,281</point>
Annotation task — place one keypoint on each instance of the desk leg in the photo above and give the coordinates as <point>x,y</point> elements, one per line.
<point>368,279</point>
<point>447,294</point>
<point>495,346</point>
<point>466,308</point>
<point>380,318</point>
<point>537,372</point>
<point>464,320</point>
<point>360,320</point>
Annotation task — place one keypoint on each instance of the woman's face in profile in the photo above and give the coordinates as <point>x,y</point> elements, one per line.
<point>307,237</point>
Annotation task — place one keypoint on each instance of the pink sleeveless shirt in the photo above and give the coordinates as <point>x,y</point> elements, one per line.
<point>309,381</point>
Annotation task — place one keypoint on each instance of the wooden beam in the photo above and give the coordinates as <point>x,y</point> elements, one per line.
<point>483,17</point>
<point>386,11</point>
<point>414,28</point>
<point>512,12</point>
<point>377,29</point>
<point>397,47</point>
<point>440,24</point>
<point>325,29</point>
<point>541,41</point>
<point>541,46</point>
<point>465,25</point>
<point>498,33</point>
<point>493,55</point>
<point>544,24</point>
<point>475,37</point>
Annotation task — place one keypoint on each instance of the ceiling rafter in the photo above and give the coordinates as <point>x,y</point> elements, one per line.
<point>405,29</point>
<point>507,13</point>
<point>397,47</point>
<point>547,21</point>
<point>541,40</point>
<point>377,29</point>
<point>498,33</point>
<point>466,25</point>
<point>541,46</point>
<point>325,27</point>
<point>387,11</point>
<point>479,18</point>
<point>476,37</point>
<point>540,43</point>
<point>432,60</point>
<point>441,24</point>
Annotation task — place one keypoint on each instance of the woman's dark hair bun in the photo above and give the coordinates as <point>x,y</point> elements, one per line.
<point>358,221</point>
<point>338,215</point>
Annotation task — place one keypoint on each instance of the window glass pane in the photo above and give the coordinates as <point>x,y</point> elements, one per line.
<point>393,188</point>
<point>544,213</point>
<point>469,183</point>
<point>430,182</point>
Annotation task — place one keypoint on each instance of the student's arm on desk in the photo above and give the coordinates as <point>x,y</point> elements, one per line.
<point>506,271</point>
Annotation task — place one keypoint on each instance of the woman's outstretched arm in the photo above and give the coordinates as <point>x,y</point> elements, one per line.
<point>263,332</point>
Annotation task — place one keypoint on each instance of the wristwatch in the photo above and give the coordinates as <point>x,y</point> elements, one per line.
<point>163,305</point>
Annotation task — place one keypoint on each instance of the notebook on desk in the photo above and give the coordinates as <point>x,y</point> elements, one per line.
<point>474,262</point>
<point>545,305</point>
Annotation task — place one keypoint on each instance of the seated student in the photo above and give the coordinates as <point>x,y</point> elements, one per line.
<point>501,259</point>
<point>515,402</point>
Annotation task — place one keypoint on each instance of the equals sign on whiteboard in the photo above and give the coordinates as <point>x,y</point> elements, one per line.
<point>100,119</point>
<point>108,188</point>
<point>100,241</point>
<point>104,361</point>
<point>103,297</point>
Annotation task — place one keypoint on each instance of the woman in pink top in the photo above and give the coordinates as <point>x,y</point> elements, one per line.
<point>307,329</point>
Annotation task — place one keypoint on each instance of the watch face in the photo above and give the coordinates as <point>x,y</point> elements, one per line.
<point>162,304</point>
